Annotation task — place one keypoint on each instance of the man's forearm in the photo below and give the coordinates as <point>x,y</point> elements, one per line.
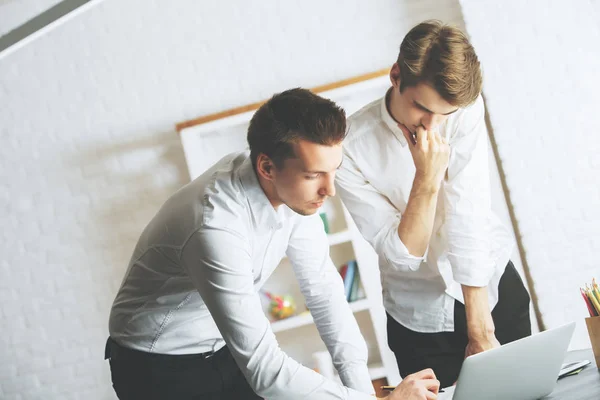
<point>417,220</point>
<point>480,324</point>
<point>348,349</point>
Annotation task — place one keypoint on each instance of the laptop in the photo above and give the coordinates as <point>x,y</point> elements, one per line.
<point>525,369</point>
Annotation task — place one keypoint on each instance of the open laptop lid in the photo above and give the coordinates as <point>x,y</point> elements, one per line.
<point>521,370</point>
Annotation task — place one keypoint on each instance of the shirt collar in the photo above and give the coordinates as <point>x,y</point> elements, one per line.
<point>264,216</point>
<point>389,120</point>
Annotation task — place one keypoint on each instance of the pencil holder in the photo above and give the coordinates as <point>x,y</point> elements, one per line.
<point>593,327</point>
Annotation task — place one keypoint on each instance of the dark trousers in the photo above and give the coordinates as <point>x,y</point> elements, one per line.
<point>140,375</point>
<point>444,352</point>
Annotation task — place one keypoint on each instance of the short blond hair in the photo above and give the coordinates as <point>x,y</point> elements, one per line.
<point>442,56</point>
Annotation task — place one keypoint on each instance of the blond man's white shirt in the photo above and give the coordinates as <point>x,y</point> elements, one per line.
<point>468,246</point>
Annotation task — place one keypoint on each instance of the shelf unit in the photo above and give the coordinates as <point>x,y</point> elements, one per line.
<point>340,237</point>
<point>305,318</point>
<point>298,336</point>
<point>377,371</point>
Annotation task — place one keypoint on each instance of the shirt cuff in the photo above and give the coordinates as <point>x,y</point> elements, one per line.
<point>397,254</point>
<point>471,271</point>
<point>358,378</point>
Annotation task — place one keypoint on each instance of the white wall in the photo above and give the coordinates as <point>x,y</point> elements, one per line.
<point>89,152</point>
<point>541,66</point>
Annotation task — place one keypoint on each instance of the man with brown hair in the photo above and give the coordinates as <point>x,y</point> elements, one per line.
<point>187,322</point>
<point>415,179</point>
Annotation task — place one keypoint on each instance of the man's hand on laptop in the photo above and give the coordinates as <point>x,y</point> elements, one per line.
<point>480,324</point>
<point>481,344</point>
<point>481,333</point>
<point>421,385</point>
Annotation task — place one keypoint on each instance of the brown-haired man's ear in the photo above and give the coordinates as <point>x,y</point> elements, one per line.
<point>264,166</point>
<point>395,75</point>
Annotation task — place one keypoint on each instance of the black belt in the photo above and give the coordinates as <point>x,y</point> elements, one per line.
<point>115,350</point>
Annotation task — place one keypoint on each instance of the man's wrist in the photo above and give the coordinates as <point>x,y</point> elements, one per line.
<point>480,324</point>
<point>424,186</point>
<point>480,330</point>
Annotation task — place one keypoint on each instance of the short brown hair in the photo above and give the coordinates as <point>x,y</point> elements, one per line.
<point>290,116</point>
<point>442,56</point>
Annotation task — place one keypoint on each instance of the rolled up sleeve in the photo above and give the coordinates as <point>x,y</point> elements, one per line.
<point>375,216</point>
<point>467,200</point>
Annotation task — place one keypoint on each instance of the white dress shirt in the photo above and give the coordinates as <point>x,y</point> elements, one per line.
<point>193,283</point>
<point>468,245</point>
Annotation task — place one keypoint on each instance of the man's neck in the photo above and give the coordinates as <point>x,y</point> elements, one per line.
<point>390,99</point>
<point>269,191</point>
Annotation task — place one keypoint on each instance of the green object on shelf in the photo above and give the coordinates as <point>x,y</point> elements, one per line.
<point>325,222</point>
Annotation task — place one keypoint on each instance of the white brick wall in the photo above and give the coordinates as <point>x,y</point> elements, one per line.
<point>541,66</point>
<point>89,153</point>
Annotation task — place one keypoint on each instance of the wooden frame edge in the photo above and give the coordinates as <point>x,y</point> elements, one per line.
<point>253,106</point>
<point>515,223</point>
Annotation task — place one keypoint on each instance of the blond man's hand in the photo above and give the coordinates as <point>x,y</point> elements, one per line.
<point>430,153</point>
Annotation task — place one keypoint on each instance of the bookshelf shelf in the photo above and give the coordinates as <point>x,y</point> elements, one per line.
<point>359,305</point>
<point>334,239</point>
<point>339,237</point>
<point>305,318</point>
<point>377,371</point>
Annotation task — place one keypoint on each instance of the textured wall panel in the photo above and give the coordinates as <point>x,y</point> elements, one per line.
<point>541,64</point>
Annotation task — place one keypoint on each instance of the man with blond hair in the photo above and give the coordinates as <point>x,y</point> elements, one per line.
<point>415,178</point>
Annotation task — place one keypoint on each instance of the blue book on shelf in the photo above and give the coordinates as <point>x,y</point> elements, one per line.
<point>349,279</point>
<point>355,285</point>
